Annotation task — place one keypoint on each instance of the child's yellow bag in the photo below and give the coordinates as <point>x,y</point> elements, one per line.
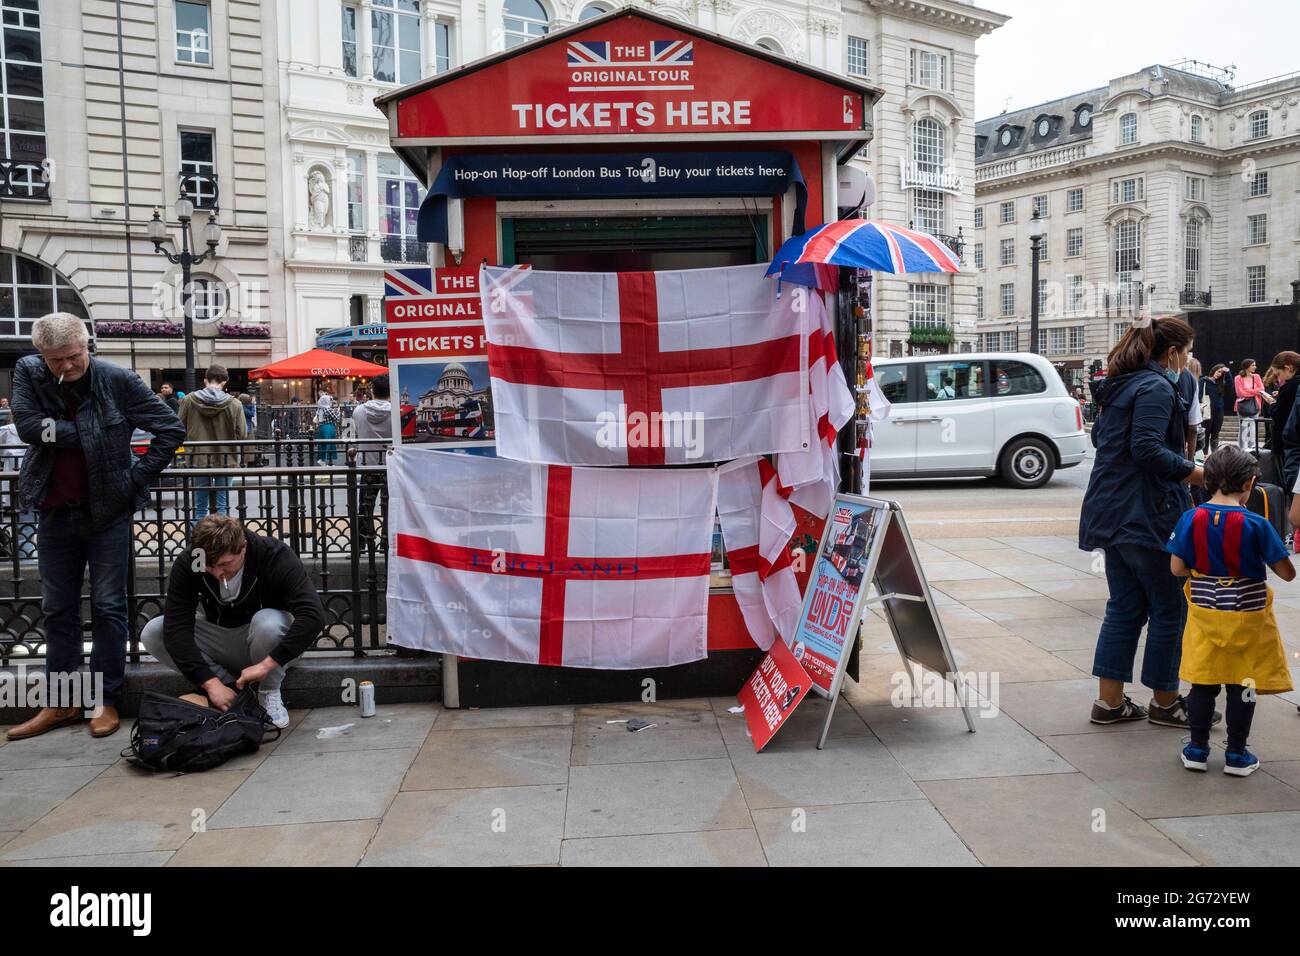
<point>1234,647</point>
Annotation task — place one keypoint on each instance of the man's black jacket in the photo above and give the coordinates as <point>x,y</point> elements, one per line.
<point>119,402</point>
<point>273,578</point>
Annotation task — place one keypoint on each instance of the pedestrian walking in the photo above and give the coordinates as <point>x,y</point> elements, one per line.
<point>76,413</point>
<point>373,420</point>
<point>1212,393</point>
<point>1136,493</point>
<point>1231,639</point>
<point>212,414</point>
<point>168,395</point>
<point>1251,399</point>
<point>327,420</point>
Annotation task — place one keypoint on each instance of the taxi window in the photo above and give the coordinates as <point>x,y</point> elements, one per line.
<point>1017,378</point>
<point>949,381</point>
<point>892,380</point>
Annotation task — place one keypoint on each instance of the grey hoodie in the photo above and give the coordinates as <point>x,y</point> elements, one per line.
<point>373,419</point>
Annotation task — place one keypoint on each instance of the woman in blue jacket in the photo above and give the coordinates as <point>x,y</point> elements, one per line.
<point>1136,494</point>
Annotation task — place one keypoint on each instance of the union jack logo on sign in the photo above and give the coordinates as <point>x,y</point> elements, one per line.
<point>401,283</point>
<point>662,53</point>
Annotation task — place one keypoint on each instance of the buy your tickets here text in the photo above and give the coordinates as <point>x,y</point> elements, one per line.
<point>626,114</point>
<point>647,171</point>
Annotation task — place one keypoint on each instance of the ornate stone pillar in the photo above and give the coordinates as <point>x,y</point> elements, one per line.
<point>364,40</point>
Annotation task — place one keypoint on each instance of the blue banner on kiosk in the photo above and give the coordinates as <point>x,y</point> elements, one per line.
<point>610,176</point>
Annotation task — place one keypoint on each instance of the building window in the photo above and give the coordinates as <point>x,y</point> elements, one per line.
<point>1258,184</point>
<point>928,211</point>
<point>1127,190</point>
<point>979,217</point>
<point>193,33</point>
<point>441,46</point>
<point>1257,229</point>
<point>1007,211</point>
<point>979,302</point>
<point>356,191</point>
<point>927,304</point>
<point>1074,285</point>
<point>929,69</point>
<point>198,165</point>
<point>1074,242</point>
<point>1128,129</point>
<point>350,58</point>
<point>1040,206</point>
<point>1056,339</point>
<point>857,56</point>
<point>593,10</point>
<point>927,146</point>
<point>1120,329</point>
<point>1198,132</point>
<point>1042,248</point>
<point>1128,241</point>
<point>979,255</point>
<point>1076,339</point>
<point>395,40</point>
<point>1007,252</point>
<point>31,289</point>
<point>1256,280</point>
<point>23,86</point>
<point>399,204</point>
<point>207,300</point>
<point>1042,296</point>
<point>1196,189</point>
<point>1008,298</point>
<point>1258,124</point>
<point>1192,256</point>
<point>524,20</point>
<point>1042,341</point>
<point>1074,199</point>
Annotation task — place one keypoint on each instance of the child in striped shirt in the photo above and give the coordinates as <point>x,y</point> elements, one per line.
<point>1231,636</point>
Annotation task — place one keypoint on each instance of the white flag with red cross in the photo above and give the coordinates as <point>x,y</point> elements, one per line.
<point>646,368</point>
<point>548,564</point>
<point>757,524</point>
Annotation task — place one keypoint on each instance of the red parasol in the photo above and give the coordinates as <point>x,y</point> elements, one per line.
<point>318,363</point>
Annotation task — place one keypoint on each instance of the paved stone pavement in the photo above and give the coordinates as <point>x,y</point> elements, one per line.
<point>1037,784</point>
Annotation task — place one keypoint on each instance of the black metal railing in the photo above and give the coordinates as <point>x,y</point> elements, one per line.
<point>202,189</point>
<point>334,518</point>
<point>397,249</point>
<point>956,243</point>
<point>1189,297</point>
<point>25,179</point>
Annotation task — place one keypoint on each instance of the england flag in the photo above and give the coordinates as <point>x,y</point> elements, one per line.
<point>647,368</point>
<point>577,567</point>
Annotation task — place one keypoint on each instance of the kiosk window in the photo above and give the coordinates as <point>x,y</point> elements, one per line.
<point>946,381</point>
<point>892,380</point>
<point>1017,378</point>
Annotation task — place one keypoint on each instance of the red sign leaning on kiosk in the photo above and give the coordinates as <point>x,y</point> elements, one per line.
<point>772,693</point>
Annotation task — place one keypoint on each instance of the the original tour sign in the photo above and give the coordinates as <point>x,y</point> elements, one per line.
<point>633,74</point>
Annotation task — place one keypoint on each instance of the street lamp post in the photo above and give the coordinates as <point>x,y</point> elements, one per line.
<point>186,259</point>
<point>1036,232</point>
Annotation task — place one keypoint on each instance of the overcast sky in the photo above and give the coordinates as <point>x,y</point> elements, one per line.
<point>1052,49</point>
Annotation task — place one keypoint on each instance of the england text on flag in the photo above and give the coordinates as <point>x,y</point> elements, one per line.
<point>757,523</point>
<point>580,567</point>
<point>646,368</point>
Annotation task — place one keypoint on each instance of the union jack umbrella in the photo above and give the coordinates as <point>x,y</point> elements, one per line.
<point>865,244</point>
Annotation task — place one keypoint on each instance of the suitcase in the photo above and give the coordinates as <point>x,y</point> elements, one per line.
<point>1270,471</point>
<point>1270,502</point>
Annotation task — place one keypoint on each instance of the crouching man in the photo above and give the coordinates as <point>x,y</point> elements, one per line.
<point>239,609</point>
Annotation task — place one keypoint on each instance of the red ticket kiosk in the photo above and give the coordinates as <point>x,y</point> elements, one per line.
<point>627,142</point>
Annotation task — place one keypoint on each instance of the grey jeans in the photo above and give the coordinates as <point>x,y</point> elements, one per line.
<point>228,650</point>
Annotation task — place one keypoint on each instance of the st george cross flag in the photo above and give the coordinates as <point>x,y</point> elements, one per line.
<point>579,567</point>
<point>645,368</point>
<point>757,523</point>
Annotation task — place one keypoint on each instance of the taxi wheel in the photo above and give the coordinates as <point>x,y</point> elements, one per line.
<point>1027,463</point>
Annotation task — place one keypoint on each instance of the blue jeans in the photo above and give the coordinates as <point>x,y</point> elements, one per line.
<point>66,544</point>
<point>1142,591</point>
<point>211,496</point>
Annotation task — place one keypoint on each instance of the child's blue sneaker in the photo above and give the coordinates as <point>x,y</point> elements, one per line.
<point>1240,763</point>
<point>1196,758</point>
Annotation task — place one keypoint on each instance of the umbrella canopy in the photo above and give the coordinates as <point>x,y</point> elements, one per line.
<point>318,363</point>
<point>866,244</point>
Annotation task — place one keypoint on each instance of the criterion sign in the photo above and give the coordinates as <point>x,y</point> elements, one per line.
<point>866,541</point>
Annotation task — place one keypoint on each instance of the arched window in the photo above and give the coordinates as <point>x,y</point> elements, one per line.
<point>927,145</point>
<point>207,299</point>
<point>1258,124</point>
<point>524,20</point>
<point>30,289</point>
<point>770,45</point>
<point>1198,131</point>
<point>1128,129</point>
<point>593,10</point>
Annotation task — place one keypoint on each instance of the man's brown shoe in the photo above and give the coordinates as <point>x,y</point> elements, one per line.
<point>46,719</point>
<point>105,724</point>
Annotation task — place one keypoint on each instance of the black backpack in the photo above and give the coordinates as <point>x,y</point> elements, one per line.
<point>181,737</point>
